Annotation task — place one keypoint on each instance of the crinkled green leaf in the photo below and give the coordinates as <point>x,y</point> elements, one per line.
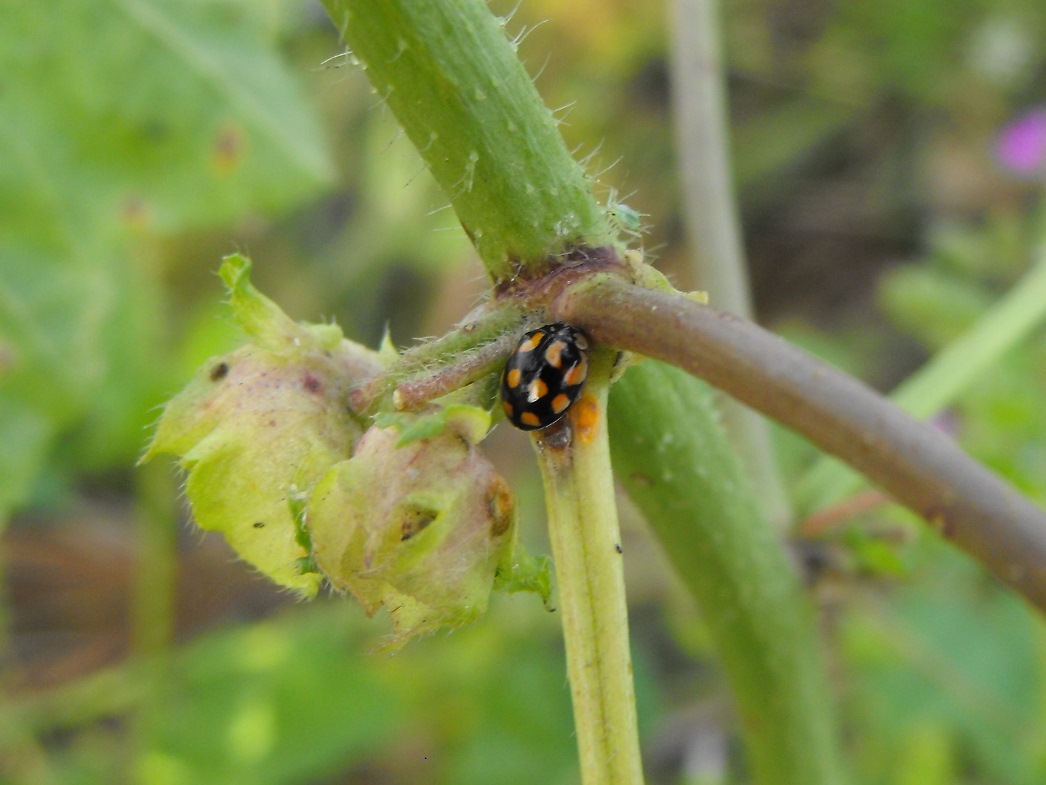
<point>419,530</point>
<point>469,422</point>
<point>522,571</point>
<point>264,321</point>
<point>257,427</point>
<point>411,428</point>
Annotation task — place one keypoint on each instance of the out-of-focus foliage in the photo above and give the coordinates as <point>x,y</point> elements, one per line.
<point>142,140</point>
<point>944,677</point>
<point>124,122</point>
<point>1001,419</point>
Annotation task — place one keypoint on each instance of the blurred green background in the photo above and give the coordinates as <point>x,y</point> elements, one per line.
<point>141,140</point>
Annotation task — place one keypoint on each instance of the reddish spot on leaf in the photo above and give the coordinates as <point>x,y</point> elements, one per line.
<point>229,149</point>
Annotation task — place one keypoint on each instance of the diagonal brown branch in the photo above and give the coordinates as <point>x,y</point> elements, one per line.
<point>919,466</point>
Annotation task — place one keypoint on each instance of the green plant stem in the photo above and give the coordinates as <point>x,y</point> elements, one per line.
<point>710,215</point>
<point>461,356</point>
<point>154,610</point>
<point>702,140</point>
<point>919,466</point>
<point>694,495</point>
<point>586,548</point>
<point>157,560</point>
<point>447,71</point>
<point>453,81</point>
<point>947,374</point>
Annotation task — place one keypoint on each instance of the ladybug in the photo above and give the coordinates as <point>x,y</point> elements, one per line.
<point>544,375</point>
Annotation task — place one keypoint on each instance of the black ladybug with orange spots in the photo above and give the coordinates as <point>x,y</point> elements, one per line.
<point>544,375</point>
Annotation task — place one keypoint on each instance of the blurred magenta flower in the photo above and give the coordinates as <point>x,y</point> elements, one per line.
<point>1021,146</point>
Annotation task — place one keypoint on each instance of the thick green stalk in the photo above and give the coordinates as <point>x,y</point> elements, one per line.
<point>447,71</point>
<point>586,548</point>
<point>690,487</point>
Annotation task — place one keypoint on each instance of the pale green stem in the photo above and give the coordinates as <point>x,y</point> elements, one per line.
<point>945,376</point>
<point>157,559</point>
<point>703,145</point>
<point>153,620</point>
<point>586,547</point>
<point>713,226</point>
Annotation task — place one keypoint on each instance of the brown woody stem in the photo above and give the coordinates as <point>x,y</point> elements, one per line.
<point>919,466</point>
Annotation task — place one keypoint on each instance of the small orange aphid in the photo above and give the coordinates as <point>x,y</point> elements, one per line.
<point>586,418</point>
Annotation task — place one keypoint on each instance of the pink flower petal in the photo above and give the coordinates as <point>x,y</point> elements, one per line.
<point>1021,146</point>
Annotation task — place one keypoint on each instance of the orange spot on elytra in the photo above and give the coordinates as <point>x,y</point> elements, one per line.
<point>512,378</point>
<point>560,403</point>
<point>538,390</point>
<point>507,407</point>
<point>529,418</point>
<point>577,374</point>
<point>530,343</point>
<point>554,354</point>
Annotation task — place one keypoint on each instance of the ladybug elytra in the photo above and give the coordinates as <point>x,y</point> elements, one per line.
<point>544,375</point>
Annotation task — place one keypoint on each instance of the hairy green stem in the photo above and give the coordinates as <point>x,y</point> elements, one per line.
<point>586,548</point>
<point>452,78</point>
<point>461,356</point>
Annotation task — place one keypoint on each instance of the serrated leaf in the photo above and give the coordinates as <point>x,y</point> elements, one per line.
<point>257,427</point>
<point>264,321</point>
